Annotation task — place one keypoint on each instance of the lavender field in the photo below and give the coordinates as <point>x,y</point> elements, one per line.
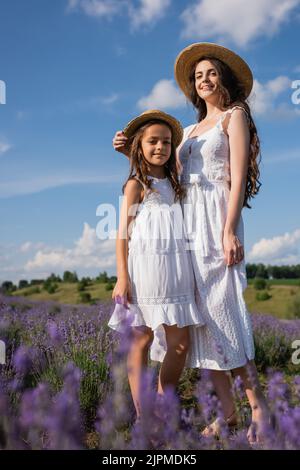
<point>64,386</point>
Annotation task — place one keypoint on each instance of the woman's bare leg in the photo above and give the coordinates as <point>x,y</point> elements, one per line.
<point>222,385</point>
<point>259,406</point>
<point>137,360</point>
<point>177,347</point>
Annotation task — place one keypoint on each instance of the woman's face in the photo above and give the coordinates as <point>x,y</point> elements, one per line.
<point>206,79</point>
<point>156,144</point>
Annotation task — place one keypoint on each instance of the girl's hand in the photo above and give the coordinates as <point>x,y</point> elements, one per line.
<point>122,290</point>
<point>119,143</point>
<point>233,249</point>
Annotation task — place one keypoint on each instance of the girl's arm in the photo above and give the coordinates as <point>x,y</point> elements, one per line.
<point>119,143</point>
<point>132,196</point>
<point>239,141</point>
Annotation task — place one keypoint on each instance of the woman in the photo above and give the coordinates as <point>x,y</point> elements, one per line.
<point>218,158</point>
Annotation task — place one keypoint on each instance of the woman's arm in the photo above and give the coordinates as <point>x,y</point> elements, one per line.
<point>119,143</point>
<point>239,141</point>
<point>132,196</point>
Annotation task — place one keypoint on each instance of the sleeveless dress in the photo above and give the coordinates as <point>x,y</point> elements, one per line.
<point>226,342</point>
<point>160,269</point>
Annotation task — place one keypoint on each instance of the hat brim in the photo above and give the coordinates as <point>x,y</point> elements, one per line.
<point>155,114</point>
<point>193,53</point>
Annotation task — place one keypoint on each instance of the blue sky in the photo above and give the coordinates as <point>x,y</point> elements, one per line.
<point>77,70</point>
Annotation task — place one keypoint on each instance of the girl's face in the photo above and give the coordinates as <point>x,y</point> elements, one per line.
<point>156,144</point>
<point>206,79</point>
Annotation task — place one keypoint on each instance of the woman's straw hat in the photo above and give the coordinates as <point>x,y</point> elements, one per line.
<point>193,53</point>
<point>155,114</point>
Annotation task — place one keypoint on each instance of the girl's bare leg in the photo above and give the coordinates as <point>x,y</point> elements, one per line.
<point>222,384</point>
<point>137,360</point>
<point>177,347</point>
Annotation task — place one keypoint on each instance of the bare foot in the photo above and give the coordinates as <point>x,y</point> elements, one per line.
<point>214,428</point>
<point>260,419</point>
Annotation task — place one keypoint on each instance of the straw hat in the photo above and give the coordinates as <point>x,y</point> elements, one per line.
<point>149,115</point>
<point>193,53</point>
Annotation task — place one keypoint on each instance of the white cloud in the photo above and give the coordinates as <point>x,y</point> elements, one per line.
<point>234,20</point>
<point>283,249</point>
<point>29,246</point>
<point>97,8</point>
<point>88,252</point>
<point>163,95</point>
<point>148,13</point>
<point>110,99</point>
<point>40,183</point>
<point>263,97</point>
<point>4,147</point>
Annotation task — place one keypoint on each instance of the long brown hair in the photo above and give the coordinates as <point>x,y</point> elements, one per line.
<point>232,93</point>
<point>138,164</point>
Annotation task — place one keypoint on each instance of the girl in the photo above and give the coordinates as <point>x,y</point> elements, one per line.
<point>153,267</point>
<point>218,159</point>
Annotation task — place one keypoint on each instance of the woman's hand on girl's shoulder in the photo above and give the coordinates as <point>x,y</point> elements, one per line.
<point>119,143</point>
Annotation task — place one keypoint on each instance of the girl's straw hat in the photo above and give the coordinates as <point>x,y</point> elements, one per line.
<point>155,114</point>
<point>193,53</point>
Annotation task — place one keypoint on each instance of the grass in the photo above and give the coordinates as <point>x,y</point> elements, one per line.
<point>67,293</point>
<point>279,305</point>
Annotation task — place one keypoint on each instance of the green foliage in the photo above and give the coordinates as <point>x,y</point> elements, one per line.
<point>35,282</point>
<point>32,290</point>
<point>272,350</point>
<point>273,272</point>
<point>85,297</point>
<point>8,287</point>
<point>70,277</point>
<point>23,283</point>
<point>102,278</point>
<point>264,295</point>
<point>83,283</point>
<point>109,286</point>
<point>260,284</point>
<point>295,308</point>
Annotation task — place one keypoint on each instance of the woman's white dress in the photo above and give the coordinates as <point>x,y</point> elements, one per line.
<point>226,342</point>
<point>160,269</point>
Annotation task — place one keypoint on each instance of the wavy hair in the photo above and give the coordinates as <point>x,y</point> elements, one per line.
<point>138,163</point>
<point>232,93</point>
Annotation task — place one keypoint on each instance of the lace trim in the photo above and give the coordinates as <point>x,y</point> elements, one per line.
<point>174,299</point>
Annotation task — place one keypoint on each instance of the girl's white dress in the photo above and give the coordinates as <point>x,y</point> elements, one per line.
<point>160,269</point>
<point>226,342</point>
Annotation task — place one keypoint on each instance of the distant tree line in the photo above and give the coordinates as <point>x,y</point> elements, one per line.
<point>51,283</point>
<point>272,272</point>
